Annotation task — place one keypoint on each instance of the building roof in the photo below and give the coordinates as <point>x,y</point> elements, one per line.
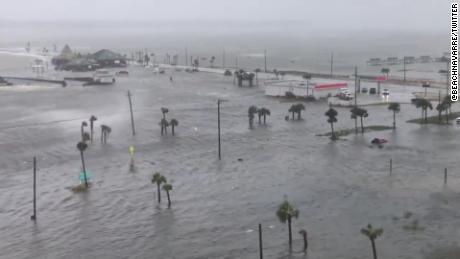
<point>66,53</point>
<point>105,54</point>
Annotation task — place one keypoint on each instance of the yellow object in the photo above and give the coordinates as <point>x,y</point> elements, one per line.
<point>131,150</point>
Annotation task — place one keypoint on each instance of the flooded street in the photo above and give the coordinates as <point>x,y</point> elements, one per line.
<point>338,187</point>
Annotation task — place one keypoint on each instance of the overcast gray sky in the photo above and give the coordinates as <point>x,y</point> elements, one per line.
<point>432,15</point>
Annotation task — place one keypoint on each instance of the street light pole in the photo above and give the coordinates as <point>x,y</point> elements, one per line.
<point>218,123</point>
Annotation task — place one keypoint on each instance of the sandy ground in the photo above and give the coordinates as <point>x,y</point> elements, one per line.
<point>339,187</point>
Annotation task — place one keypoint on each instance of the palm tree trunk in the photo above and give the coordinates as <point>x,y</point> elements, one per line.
<point>447,116</point>
<point>394,119</point>
<point>422,115</point>
<point>159,193</point>
<point>362,126</point>
<point>91,132</point>
<point>426,115</point>
<point>102,135</point>
<point>260,116</point>
<point>264,118</point>
<point>84,168</point>
<point>305,242</point>
<point>162,130</point>
<point>169,199</point>
<point>356,125</point>
<point>290,230</point>
<point>332,130</point>
<point>292,115</point>
<point>172,129</point>
<point>374,250</point>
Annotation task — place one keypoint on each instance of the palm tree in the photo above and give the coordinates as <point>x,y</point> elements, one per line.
<point>385,71</point>
<point>92,119</point>
<point>359,112</point>
<point>425,104</point>
<point>105,131</point>
<point>164,126</point>
<point>293,110</point>
<point>164,111</point>
<point>372,234</point>
<point>251,111</point>
<point>173,123</point>
<point>83,124</point>
<point>285,214</point>
<point>448,101</point>
<point>442,106</point>
<point>303,232</point>
<point>211,61</point>
<point>332,118</point>
<point>263,112</point>
<point>81,146</point>
<point>257,71</point>
<point>395,107</point>
<point>425,86</point>
<point>299,109</point>
<point>167,188</point>
<point>158,179</point>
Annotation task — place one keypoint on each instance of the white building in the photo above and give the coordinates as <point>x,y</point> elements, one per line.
<point>304,88</point>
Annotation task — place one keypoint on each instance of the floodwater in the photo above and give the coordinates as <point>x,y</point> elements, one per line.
<point>338,187</point>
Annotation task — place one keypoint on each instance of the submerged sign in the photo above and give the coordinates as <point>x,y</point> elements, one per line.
<point>89,175</point>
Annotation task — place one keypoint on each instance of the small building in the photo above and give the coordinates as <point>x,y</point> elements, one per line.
<point>304,89</point>
<point>80,65</point>
<point>392,61</point>
<point>374,62</point>
<point>425,59</point>
<point>108,58</point>
<point>409,59</point>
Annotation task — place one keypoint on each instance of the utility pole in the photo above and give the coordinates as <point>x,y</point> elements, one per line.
<point>356,85</point>
<point>218,123</point>
<point>223,59</point>
<point>404,68</point>
<point>332,61</point>
<point>447,78</point>
<point>265,56</point>
<point>260,242</point>
<point>34,216</point>
<point>131,111</point>
<point>186,57</point>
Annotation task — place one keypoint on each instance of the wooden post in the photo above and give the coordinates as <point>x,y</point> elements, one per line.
<point>391,166</point>
<point>404,68</point>
<point>260,242</point>
<point>445,176</point>
<point>131,110</point>
<point>34,216</point>
<point>332,61</point>
<point>265,57</point>
<point>218,124</point>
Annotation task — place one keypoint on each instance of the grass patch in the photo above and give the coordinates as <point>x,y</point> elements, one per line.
<point>80,188</point>
<point>435,119</point>
<point>345,132</point>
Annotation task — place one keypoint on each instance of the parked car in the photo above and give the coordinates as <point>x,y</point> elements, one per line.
<point>364,90</point>
<point>385,93</point>
<point>372,90</point>
<point>103,76</point>
<point>458,120</point>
